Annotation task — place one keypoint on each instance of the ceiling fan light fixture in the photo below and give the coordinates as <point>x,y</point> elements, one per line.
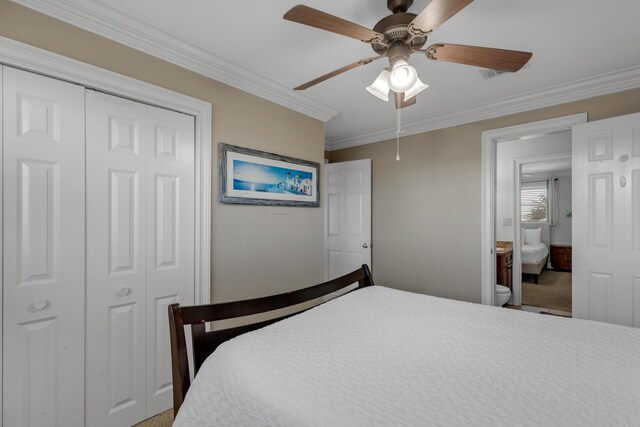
<point>380,87</point>
<point>415,89</point>
<point>402,77</point>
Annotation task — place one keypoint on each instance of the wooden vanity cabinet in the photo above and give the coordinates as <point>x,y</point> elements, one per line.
<point>504,268</point>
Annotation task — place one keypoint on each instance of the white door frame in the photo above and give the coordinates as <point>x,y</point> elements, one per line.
<point>517,244</point>
<point>490,139</point>
<point>1,244</point>
<point>29,58</point>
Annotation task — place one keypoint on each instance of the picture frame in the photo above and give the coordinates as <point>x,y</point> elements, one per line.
<point>254,177</point>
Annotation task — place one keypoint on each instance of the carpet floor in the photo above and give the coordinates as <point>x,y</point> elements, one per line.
<point>552,291</point>
<point>163,419</point>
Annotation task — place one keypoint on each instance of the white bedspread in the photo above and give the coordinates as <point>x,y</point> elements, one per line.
<point>391,358</point>
<point>533,254</point>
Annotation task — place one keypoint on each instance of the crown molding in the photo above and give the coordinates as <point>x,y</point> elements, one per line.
<point>105,21</point>
<point>591,87</point>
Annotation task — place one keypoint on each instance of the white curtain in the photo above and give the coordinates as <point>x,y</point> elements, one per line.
<point>552,201</point>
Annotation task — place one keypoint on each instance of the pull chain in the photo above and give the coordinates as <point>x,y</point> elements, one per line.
<point>398,121</point>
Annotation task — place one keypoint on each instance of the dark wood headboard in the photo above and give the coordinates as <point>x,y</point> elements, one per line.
<point>205,343</point>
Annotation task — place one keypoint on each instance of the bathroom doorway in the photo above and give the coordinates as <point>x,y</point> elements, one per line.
<point>505,151</point>
<point>544,211</point>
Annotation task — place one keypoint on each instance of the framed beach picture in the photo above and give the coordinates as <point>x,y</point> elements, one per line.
<point>255,177</point>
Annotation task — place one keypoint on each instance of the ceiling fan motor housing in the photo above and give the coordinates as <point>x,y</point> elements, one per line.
<point>394,29</point>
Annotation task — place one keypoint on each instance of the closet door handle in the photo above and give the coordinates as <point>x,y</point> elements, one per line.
<point>123,291</point>
<point>40,304</point>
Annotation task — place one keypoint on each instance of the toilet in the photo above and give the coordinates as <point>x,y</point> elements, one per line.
<point>503,295</point>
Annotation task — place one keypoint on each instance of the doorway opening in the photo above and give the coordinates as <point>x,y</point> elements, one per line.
<point>542,216</point>
<point>535,144</point>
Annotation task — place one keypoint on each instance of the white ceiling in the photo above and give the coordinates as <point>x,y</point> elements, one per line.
<point>547,169</point>
<point>580,48</point>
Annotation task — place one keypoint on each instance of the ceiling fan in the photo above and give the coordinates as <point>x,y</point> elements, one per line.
<point>400,35</point>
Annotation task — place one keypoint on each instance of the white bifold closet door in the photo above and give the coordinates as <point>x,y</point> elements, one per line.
<point>140,253</point>
<point>43,251</point>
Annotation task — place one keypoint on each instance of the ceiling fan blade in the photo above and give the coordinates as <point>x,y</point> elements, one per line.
<point>486,57</point>
<point>308,16</point>
<point>435,14</point>
<point>401,103</point>
<point>336,72</point>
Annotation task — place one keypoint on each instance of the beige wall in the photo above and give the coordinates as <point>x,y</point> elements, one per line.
<point>427,207</point>
<point>256,250</point>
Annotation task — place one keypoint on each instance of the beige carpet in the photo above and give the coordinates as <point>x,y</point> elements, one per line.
<point>163,419</point>
<point>552,291</point>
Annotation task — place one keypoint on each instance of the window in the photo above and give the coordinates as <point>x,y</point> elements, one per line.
<point>533,201</point>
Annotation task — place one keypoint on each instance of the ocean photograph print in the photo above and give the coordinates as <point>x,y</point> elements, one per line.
<point>255,177</point>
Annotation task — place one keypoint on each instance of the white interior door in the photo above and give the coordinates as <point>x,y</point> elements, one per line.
<point>170,239</point>
<point>116,260</point>
<point>347,212</point>
<point>44,238</point>
<point>606,220</point>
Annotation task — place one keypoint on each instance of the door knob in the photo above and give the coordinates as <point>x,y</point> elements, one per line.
<point>40,304</point>
<point>364,245</point>
<point>123,291</point>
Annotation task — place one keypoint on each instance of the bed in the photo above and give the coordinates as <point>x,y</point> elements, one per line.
<point>534,257</point>
<point>379,356</point>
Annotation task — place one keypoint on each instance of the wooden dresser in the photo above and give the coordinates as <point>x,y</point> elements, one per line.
<point>504,267</point>
<point>561,257</point>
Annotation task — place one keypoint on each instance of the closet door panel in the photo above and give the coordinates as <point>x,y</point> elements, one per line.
<point>170,237</point>
<point>116,260</point>
<point>43,253</point>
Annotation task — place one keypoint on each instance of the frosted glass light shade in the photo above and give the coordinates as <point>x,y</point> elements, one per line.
<point>380,87</point>
<point>402,77</point>
<point>415,89</point>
